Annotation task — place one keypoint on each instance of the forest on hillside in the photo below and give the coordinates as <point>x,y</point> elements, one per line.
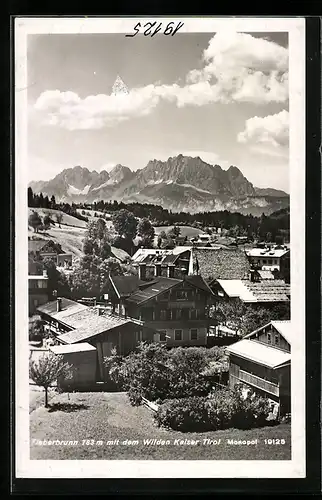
<point>265,227</point>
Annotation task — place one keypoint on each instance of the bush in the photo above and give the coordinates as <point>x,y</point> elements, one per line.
<point>158,374</point>
<point>222,409</point>
<point>185,415</point>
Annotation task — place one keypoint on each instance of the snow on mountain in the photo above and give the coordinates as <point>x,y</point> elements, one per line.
<point>72,190</point>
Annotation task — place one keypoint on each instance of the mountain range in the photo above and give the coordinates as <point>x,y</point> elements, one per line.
<point>181,183</point>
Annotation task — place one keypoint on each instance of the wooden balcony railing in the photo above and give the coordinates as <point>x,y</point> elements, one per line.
<point>259,383</point>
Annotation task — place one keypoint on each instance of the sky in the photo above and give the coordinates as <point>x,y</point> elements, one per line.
<point>221,96</point>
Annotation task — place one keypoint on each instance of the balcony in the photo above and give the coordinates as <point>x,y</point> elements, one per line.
<point>259,383</point>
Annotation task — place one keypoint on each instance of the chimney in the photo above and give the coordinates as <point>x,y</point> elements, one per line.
<point>170,270</point>
<point>252,277</point>
<point>157,270</point>
<point>58,304</point>
<point>44,273</point>
<point>142,271</point>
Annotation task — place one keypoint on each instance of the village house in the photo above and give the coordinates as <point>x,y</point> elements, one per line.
<point>42,249</point>
<point>274,258</point>
<point>37,291</point>
<point>37,285</point>
<point>75,324</point>
<point>260,287</point>
<point>177,309</point>
<point>179,257</point>
<point>262,361</point>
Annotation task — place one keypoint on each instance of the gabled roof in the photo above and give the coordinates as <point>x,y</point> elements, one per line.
<point>158,286</point>
<point>220,263</point>
<point>94,325</point>
<point>68,307</point>
<point>261,291</point>
<point>198,282</point>
<point>284,328</point>
<point>70,348</point>
<point>259,353</point>
<point>266,275</point>
<point>142,253</point>
<point>125,285</point>
<point>36,245</point>
<point>120,254</point>
<point>266,252</point>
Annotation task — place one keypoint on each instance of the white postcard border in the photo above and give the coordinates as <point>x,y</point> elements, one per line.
<point>295,468</point>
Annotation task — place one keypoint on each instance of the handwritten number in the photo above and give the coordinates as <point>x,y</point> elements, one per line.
<point>157,29</point>
<point>136,29</point>
<point>169,30</point>
<point>177,28</point>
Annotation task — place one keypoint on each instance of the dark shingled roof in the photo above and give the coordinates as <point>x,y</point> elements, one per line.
<point>269,290</point>
<point>125,285</point>
<point>199,282</point>
<point>159,285</point>
<point>220,263</point>
<point>36,245</point>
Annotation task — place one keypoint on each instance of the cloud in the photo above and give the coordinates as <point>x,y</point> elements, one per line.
<point>237,67</point>
<point>267,134</point>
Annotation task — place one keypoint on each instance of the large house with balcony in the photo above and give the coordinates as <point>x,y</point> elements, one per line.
<point>262,361</point>
<point>176,309</point>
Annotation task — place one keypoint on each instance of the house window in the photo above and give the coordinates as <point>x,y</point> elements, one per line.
<point>182,295</point>
<point>178,314</point>
<point>162,334</point>
<point>163,315</point>
<point>269,339</point>
<point>193,314</point>
<point>264,261</point>
<point>178,335</point>
<point>36,302</point>
<point>194,334</point>
<point>277,340</point>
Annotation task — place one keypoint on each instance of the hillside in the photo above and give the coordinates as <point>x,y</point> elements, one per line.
<point>67,220</point>
<point>70,239</point>
<point>181,183</point>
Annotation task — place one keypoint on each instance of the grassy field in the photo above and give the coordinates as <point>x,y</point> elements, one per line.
<point>85,418</point>
<point>70,238</point>
<point>185,230</point>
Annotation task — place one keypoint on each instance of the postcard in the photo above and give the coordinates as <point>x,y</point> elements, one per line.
<point>160,277</point>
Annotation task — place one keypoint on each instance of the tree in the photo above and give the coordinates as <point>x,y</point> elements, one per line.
<point>146,231</point>
<point>30,197</point>
<point>56,280</point>
<point>35,328</point>
<point>229,313</point>
<point>125,224</point>
<point>59,217</point>
<point>47,370</point>
<point>53,202</point>
<point>174,232</point>
<point>47,221</point>
<point>35,221</point>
